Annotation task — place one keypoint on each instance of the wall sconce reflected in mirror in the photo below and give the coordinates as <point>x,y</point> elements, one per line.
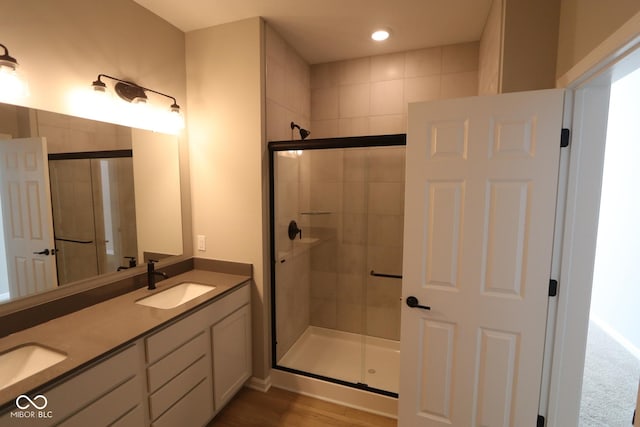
<point>136,94</point>
<point>12,86</point>
<point>303,132</point>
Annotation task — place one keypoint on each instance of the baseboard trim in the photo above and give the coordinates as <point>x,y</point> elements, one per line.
<point>260,384</point>
<point>336,393</point>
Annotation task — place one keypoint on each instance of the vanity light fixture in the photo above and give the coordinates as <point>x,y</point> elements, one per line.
<point>134,93</point>
<point>11,84</point>
<point>380,35</point>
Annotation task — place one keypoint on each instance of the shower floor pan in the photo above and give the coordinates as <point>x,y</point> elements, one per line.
<point>340,355</point>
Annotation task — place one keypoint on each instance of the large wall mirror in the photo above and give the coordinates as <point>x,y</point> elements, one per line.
<point>81,198</point>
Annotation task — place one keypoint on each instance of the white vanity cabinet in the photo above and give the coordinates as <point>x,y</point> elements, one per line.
<point>231,344</point>
<point>179,375</point>
<point>205,354</point>
<point>108,392</point>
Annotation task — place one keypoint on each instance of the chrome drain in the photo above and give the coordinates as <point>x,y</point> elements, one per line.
<point>371,371</point>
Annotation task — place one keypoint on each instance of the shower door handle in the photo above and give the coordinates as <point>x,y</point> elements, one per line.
<point>414,303</point>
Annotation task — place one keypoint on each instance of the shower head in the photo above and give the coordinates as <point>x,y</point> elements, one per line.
<point>303,132</point>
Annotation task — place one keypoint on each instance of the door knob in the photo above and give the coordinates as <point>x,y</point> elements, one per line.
<point>414,303</point>
<point>42,252</point>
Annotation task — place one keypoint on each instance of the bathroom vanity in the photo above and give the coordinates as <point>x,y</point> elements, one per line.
<point>129,364</point>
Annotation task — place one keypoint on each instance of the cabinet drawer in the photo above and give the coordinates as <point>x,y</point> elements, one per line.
<point>172,364</point>
<point>194,409</point>
<point>110,407</point>
<point>178,387</point>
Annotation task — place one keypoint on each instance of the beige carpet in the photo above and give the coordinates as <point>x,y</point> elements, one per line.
<point>610,382</point>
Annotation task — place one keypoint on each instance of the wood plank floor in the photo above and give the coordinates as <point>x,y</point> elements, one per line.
<point>279,407</point>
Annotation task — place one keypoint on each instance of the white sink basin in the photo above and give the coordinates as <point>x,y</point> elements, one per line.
<point>22,362</point>
<point>176,295</point>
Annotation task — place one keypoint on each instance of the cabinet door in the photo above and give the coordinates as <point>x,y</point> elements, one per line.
<point>231,355</point>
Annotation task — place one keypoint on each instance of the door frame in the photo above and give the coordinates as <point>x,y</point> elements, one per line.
<point>589,82</point>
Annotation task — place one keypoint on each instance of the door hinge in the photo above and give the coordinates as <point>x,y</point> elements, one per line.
<point>540,422</point>
<point>553,288</point>
<point>564,137</point>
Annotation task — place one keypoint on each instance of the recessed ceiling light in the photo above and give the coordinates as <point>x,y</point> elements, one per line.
<point>380,35</point>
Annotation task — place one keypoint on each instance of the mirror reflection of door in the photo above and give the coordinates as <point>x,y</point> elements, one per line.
<point>27,256</point>
<point>93,212</point>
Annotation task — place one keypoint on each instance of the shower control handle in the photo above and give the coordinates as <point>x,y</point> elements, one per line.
<point>414,303</point>
<point>294,230</point>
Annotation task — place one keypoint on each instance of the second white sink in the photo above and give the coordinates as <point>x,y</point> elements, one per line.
<point>24,361</point>
<point>176,295</point>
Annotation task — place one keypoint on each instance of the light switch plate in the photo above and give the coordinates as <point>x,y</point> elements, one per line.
<point>202,242</point>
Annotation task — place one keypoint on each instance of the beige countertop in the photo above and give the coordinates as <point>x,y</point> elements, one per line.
<point>90,333</point>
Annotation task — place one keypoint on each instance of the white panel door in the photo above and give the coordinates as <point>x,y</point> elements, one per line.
<point>26,212</point>
<point>479,215</point>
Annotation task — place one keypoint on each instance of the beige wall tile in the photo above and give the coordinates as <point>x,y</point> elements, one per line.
<point>349,317</point>
<point>276,81</point>
<point>355,198</point>
<point>421,89</point>
<point>386,164</point>
<point>354,229</point>
<point>423,62</point>
<point>324,103</point>
<point>387,98</point>
<point>354,100</point>
<point>326,165</point>
<point>383,322</point>
<point>324,128</point>
<point>323,313</point>
<point>387,67</point>
<point>325,75</point>
<point>385,230</point>
<point>356,126</point>
<point>459,85</point>
<point>351,258</point>
<point>385,125</point>
<point>353,71</point>
<point>458,58</point>
<point>386,198</point>
<point>355,165</point>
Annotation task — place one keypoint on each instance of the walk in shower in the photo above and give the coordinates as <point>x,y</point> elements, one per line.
<point>337,208</point>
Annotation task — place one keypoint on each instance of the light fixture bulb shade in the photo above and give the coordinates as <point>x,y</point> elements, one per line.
<point>13,87</point>
<point>7,60</point>
<point>99,86</point>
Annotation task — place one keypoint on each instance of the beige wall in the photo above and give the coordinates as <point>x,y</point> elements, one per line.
<point>529,44</point>
<point>63,45</point>
<point>584,24</point>
<point>369,96</point>
<point>288,88</point>
<point>226,142</point>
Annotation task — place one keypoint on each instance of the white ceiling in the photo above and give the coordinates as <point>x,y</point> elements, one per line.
<point>330,30</point>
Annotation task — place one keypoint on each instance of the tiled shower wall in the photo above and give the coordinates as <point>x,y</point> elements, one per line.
<point>356,204</point>
<point>369,96</point>
<point>287,100</point>
<point>353,204</point>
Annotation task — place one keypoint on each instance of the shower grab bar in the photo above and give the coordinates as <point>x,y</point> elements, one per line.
<point>392,276</point>
<point>84,242</point>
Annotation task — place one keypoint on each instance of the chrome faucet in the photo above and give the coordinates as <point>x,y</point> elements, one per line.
<point>151,274</point>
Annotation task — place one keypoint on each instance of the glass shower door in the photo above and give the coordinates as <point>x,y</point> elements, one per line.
<point>337,218</point>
